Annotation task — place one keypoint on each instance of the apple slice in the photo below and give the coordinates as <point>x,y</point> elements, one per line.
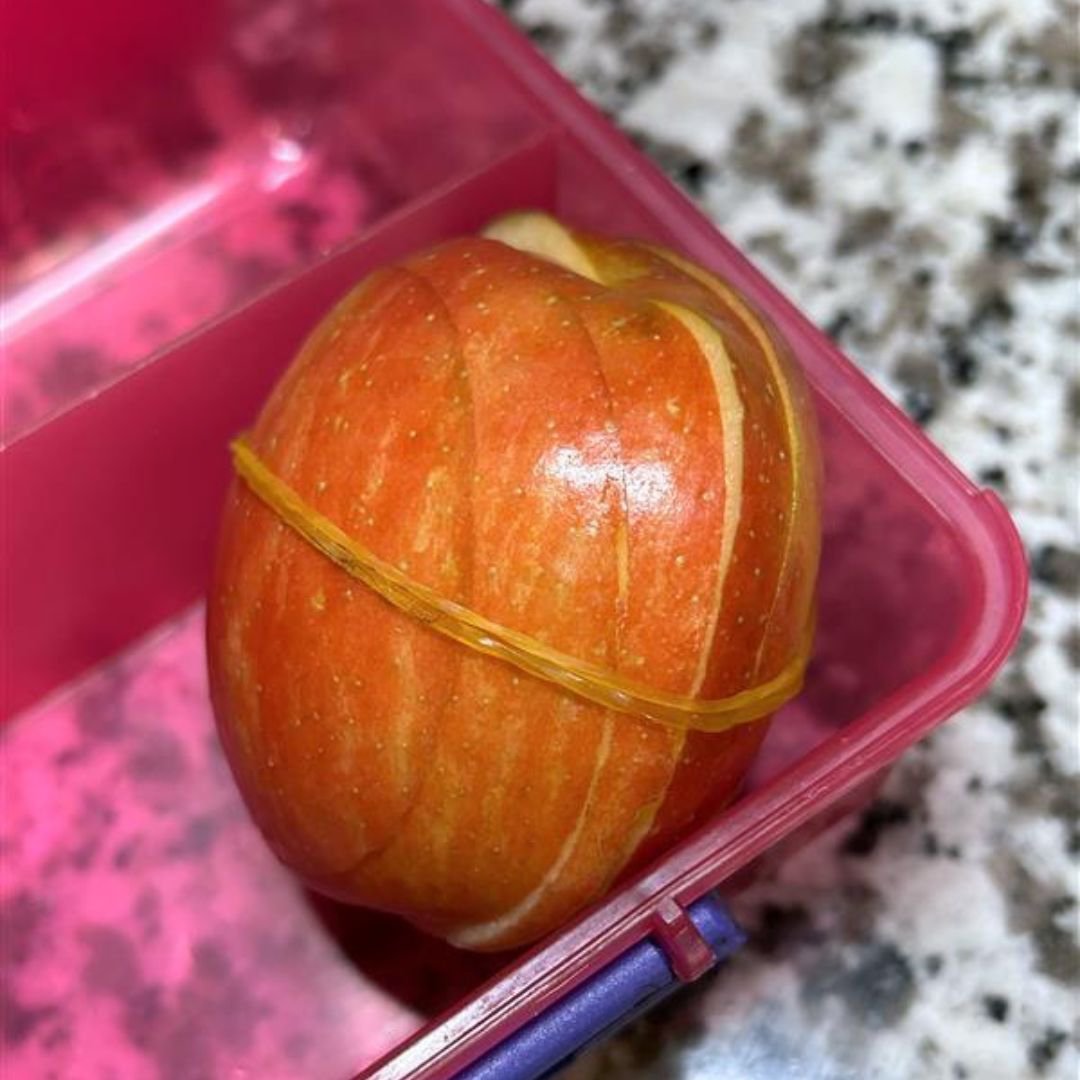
<point>588,441</point>
<point>775,548</point>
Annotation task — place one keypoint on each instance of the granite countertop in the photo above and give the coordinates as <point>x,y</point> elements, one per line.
<point>908,173</point>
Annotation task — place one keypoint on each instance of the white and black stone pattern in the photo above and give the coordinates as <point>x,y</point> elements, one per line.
<point>908,173</point>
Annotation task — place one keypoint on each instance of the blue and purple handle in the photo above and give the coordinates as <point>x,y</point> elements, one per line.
<point>643,976</point>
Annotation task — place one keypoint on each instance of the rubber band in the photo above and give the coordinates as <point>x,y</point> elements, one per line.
<point>588,681</point>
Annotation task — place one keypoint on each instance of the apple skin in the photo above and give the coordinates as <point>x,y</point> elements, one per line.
<point>613,455</point>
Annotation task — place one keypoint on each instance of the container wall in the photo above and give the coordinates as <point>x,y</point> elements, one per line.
<point>176,164</point>
<point>111,508</point>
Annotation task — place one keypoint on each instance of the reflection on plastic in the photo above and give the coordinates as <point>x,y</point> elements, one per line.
<point>262,169</point>
<point>129,220</point>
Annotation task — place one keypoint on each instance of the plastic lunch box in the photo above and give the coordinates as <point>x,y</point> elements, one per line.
<point>175,224</point>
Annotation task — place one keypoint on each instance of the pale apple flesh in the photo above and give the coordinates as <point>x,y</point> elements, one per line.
<point>588,441</point>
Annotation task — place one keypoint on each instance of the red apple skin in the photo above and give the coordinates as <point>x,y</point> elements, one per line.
<point>556,453</point>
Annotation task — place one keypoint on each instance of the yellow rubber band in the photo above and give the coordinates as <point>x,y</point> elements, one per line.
<point>588,681</point>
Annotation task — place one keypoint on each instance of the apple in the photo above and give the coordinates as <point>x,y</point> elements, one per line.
<point>588,441</point>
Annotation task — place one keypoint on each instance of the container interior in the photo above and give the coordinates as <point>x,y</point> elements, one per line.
<point>142,895</point>
<point>138,204</point>
<point>151,926</point>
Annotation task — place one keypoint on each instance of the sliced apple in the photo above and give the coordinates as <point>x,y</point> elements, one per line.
<point>589,441</point>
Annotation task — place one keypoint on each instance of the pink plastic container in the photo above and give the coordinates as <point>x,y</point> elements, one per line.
<point>167,244</point>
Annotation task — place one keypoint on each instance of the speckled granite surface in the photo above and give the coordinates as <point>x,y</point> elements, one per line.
<point>908,173</point>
